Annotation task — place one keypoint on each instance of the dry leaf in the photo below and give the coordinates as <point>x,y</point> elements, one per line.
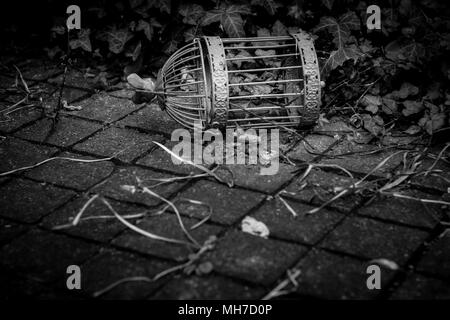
<point>254,227</point>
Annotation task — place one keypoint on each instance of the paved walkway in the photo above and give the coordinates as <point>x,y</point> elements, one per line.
<point>325,253</point>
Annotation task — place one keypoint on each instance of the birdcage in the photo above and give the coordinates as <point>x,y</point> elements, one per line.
<point>261,82</point>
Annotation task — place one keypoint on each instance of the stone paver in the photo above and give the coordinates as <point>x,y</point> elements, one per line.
<point>226,205</point>
<point>434,180</point>
<point>14,287</point>
<point>411,212</point>
<point>71,95</point>
<point>111,141</point>
<point>372,239</point>
<point>16,153</point>
<point>151,118</point>
<point>68,131</point>
<point>105,108</point>
<point>18,118</point>
<point>248,176</point>
<point>418,287</point>
<point>319,187</point>
<point>348,155</point>
<point>166,225</point>
<point>97,222</point>
<point>44,256</point>
<point>311,147</point>
<point>252,258</point>
<point>114,186</point>
<point>303,227</point>
<point>162,160</point>
<point>110,266</point>
<point>331,276</point>
<point>437,259</point>
<point>28,201</point>
<point>72,174</point>
<point>10,230</point>
<point>73,78</point>
<point>40,70</point>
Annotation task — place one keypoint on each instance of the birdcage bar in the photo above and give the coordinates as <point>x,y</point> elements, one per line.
<point>184,61</point>
<point>179,53</point>
<point>259,108</point>
<point>204,81</point>
<point>186,108</point>
<point>274,96</point>
<point>266,118</point>
<point>176,77</point>
<point>261,47</point>
<point>189,116</point>
<point>262,57</point>
<point>262,69</point>
<point>184,69</point>
<point>258,39</point>
<point>204,103</point>
<point>183,84</point>
<point>181,120</point>
<point>263,82</point>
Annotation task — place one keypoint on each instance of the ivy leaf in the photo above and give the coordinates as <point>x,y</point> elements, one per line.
<point>341,28</point>
<point>171,46</point>
<point>405,50</point>
<point>371,102</point>
<point>328,4</point>
<point>191,34</point>
<point>412,107</point>
<point>162,5</point>
<point>279,29</point>
<point>136,52</point>
<point>373,124</point>
<point>338,57</point>
<point>191,13</point>
<point>271,6</point>
<point>229,17</point>
<point>146,27</point>
<point>83,41</point>
<point>295,12</point>
<point>117,38</point>
<point>435,122</point>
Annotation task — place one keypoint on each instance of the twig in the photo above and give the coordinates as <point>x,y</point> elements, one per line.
<point>294,214</point>
<point>85,206</point>
<point>355,185</point>
<point>180,221</point>
<point>23,81</point>
<point>198,166</point>
<point>279,290</point>
<point>399,195</point>
<point>2,174</point>
<point>119,282</point>
<point>437,159</point>
<point>143,232</point>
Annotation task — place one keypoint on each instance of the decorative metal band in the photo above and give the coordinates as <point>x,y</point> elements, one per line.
<point>219,81</point>
<point>311,77</point>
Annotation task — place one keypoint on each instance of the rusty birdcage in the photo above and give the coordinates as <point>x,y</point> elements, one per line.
<point>261,82</point>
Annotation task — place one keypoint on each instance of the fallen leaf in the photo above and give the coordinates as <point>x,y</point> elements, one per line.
<point>252,226</point>
<point>139,83</point>
<point>414,129</point>
<point>412,107</point>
